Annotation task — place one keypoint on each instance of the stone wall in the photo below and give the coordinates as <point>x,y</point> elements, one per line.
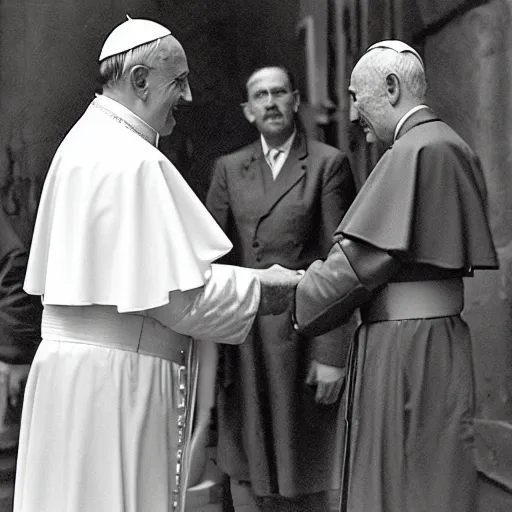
<point>469,65</point>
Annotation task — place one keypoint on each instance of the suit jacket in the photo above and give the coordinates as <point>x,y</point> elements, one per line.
<point>289,221</point>
<point>20,314</point>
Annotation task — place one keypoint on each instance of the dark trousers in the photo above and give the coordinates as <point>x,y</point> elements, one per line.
<point>244,500</point>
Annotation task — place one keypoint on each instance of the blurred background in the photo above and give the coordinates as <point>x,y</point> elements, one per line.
<point>48,66</point>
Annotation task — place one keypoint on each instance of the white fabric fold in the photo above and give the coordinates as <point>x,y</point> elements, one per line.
<point>222,311</point>
<point>117,224</point>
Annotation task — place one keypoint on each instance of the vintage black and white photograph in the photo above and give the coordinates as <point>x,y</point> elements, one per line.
<point>255,256</point>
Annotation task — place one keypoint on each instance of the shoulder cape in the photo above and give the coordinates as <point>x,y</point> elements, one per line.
<point>117,224</point>
<point>425,200</point>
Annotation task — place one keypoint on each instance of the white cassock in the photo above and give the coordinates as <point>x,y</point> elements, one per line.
<point>122,255</point>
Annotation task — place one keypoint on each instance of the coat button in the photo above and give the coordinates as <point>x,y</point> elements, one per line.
<point>255,243</point>
<point>258,258</point>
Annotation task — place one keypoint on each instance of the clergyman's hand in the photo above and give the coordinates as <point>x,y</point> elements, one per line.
<point>329,381</point>
<point>277,288</point>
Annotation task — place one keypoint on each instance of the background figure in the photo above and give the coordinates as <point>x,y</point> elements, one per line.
<point>278,396</point>
<point>20,328</point>
<point>415,229</point>
<point>122,255</point>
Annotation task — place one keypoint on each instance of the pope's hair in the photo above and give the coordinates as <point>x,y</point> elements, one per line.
<point>113,69</point>
<point>384,61</point>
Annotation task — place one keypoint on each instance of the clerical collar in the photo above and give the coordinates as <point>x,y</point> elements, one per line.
<point>405,117</point>
<point>126,117</point>
<point>285,148</point>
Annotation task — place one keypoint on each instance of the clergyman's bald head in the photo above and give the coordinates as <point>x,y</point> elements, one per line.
<point>386,83</point>
<point>378,62</point>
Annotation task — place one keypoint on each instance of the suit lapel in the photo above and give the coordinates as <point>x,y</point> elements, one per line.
<point>292,171</point>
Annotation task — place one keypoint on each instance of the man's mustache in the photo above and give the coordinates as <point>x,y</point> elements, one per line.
<point>272,113</point>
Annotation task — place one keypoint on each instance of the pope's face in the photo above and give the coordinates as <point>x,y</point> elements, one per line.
<point>271,103</point>
<point>168,87</point>
<point>370,106</point>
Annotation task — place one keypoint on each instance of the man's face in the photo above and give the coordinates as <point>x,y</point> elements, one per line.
<point>167,86</point>
<point>271,103</point>
<point>370,105</point>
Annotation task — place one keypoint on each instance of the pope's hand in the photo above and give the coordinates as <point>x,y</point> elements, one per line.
<point>277,289</point>
<point>329,381</point>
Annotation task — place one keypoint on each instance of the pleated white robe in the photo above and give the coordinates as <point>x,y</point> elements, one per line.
<point>100,425</point>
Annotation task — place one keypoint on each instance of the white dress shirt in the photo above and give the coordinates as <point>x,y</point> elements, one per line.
<point>276,163</point>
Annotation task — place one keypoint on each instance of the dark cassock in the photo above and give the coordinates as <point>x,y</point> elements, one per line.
<point>417,227</point>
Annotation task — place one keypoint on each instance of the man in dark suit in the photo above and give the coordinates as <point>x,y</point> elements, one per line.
<point>20,334</point>
<point>20,317</point>
<point>280,200</point>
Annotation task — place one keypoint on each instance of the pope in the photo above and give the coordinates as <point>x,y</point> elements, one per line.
<point>123,257</point>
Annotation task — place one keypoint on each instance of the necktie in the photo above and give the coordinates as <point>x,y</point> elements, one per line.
<point>273,155</point>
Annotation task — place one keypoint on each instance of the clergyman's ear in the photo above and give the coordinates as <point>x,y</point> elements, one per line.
<point>393,88</point>
<point>248,112</point>
<point>138,79</point>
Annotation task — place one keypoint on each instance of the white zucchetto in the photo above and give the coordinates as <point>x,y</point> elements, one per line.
<point>130,34</point>
<point>397,46</point>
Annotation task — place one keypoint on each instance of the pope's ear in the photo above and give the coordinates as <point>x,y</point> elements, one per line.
<point>138,80</point>
<point>248,112</point>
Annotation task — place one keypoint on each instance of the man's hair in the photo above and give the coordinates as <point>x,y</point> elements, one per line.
<point>286,71</point>
<point>113,69</point>
<point>384,61</point>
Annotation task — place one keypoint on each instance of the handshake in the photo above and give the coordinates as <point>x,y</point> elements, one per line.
<point>277,288</point>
